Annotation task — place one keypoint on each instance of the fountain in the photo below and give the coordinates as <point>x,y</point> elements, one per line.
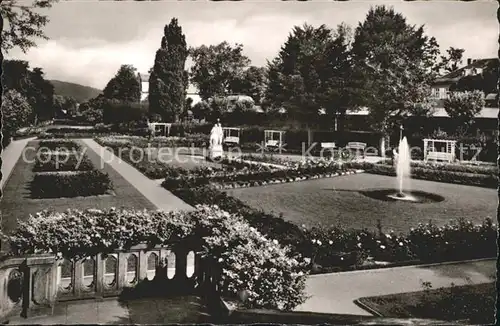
<point>403,172</point>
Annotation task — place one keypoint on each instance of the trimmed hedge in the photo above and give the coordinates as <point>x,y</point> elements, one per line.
<point>59,144</point>
<point>453,167</point>
<point>70,184</point>
<point>49,162</point>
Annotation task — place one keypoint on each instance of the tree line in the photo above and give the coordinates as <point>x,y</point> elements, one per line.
<point>384,64</point>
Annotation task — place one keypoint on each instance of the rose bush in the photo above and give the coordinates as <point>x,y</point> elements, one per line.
<point>271,274</point>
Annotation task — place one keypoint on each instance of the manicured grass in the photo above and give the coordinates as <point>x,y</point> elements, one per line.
<point>338,201</point>
<point>18,204</point>
<point>474,303</point>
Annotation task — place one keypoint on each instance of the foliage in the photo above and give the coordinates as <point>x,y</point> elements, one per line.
<point>453,167</point>
<point>124,86</point>
<point>486,81</point>
<point>423,173</point>
<point>394,60</point>
<point>50,162</point>
<point>91,114</point>
<point>272,276</point>
<point>464,106</point>
<point>15,113</point>
<point>216,68</point>
<point>24,23</point>
<point>308,73</point>
<point>39,92</point>
<point>251,82</point>
<point>59,145</point>
<point>70,184</point>
<point>340,248</point>
<point>116,112</point>
<point>168,81</point>
<point>65,105</point>
<point>451,61</point>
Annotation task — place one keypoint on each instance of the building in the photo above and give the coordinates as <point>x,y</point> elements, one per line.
<point>144,80</point>
<point>474,67</point>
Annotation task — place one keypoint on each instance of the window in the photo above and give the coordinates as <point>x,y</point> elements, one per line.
<point>443,93</point>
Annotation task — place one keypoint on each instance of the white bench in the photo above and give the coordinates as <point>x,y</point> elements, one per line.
<point>272,143</point>
<point>328,145</point>
<point>232,140</point>
<point>439,156</point>
<point>357,146</point>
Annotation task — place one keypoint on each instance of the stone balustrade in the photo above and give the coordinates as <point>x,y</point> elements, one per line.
<point>33,285</point>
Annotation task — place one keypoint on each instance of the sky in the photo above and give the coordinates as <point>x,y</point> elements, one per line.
<point>90,40</point>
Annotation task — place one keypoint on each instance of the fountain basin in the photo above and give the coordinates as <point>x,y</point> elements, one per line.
<point>393,195</point>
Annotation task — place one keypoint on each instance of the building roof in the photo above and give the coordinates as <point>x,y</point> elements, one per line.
<point>455,75</point>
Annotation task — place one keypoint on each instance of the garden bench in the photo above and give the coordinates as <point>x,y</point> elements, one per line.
<point>272,143</point>
<point>439,156</point>
<point>357,146</point>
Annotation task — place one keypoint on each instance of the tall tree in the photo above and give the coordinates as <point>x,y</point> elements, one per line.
<point>16,111</point>
<point>124,86</point>
<point>216,67</point>
<point>40,95</point>
<point>310,73</point>
<point>451,61</point>
<point>168,80</point>
<point>31,85</point>
<point>395,61</point>
<point>251,82</point>
<point>23,23</point>
<point>462,107</point>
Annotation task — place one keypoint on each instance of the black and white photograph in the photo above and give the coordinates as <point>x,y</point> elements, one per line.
<point>240,162</point>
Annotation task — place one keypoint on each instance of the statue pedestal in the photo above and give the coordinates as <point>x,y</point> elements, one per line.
<point>215,151</point>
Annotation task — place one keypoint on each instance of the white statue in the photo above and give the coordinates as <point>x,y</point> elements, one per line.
<point>216,137</point>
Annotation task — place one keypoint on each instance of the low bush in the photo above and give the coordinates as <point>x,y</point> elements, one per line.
<point>49,162</point>
<point>339,248</point>
<point>80,134</point>
<point>452,167</point>
<point>70,184</point>
<point>59,145</point>
<point>272,276</point>
<point>469,179</point>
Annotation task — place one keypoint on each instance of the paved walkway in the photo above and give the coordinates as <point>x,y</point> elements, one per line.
<point>10,155</point>
<point>151,189</point>
<point>178,310</point>
<point>336,292</point>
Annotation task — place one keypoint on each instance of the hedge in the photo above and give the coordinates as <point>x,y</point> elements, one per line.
<point>273,277</point>
<point>469,179</point>
<point>49,162</point>
<point>70,184</point>
<point>453,167</point>
<point>59,145</point>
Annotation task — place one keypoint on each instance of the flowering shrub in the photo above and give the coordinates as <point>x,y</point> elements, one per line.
<point>456,240</point>
<point>48,162</point>
<point>273,277</point>
<point>431,174</point>
<point>60,144</point>
<point>453,167</point>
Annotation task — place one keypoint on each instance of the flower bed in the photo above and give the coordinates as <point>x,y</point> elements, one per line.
<point>488,169</point>
<point>470,179</point>
<point>59,145</point>
<point>50,162</point>
<point>335,248</point>
<point>70,184</point>
<point>188,141</point>
<point>273,277</point>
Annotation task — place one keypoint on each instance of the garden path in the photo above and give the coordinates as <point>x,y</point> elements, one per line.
<point>10,155</point>
<point>336,292</point>
<point>151,189</point>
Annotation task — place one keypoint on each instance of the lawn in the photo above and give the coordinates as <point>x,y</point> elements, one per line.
<point>17,202</point>
<point>338,201</point>
<point>474,303</point>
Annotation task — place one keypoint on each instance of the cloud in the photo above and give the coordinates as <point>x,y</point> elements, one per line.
<point>88,46</point>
